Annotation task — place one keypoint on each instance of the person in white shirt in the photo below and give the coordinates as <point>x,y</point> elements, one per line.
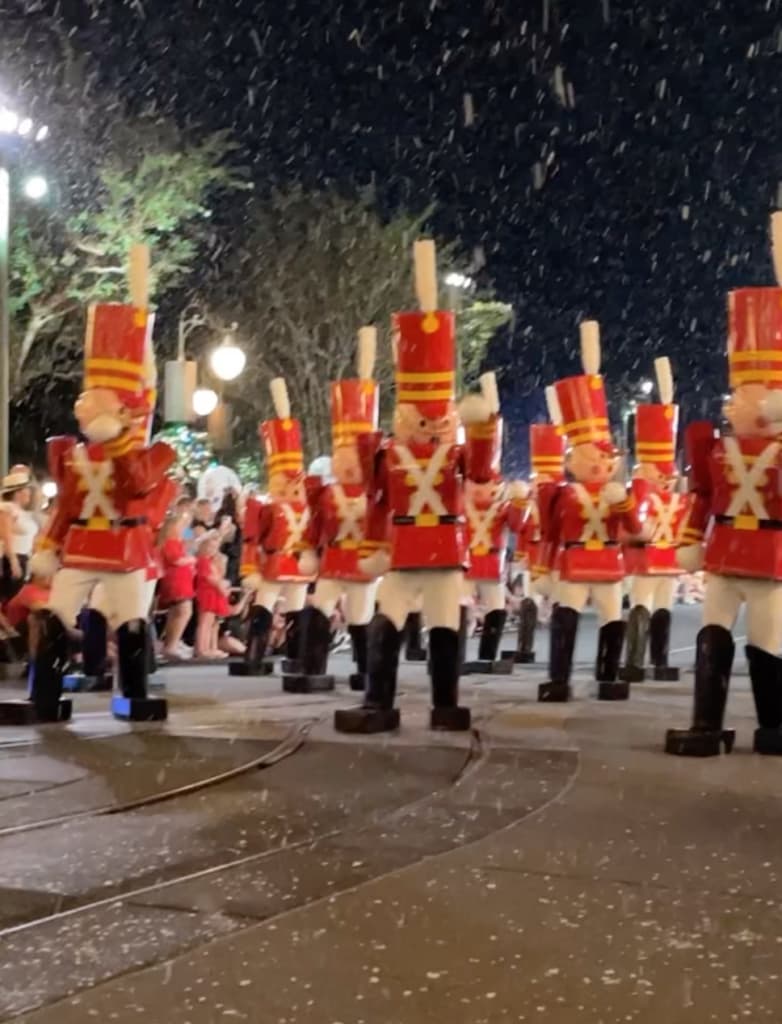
<point>18,529</point>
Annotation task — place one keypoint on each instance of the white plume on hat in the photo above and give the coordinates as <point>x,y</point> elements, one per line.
<point>664,374</point>
<point>280,400</point>
<point>590,346</point>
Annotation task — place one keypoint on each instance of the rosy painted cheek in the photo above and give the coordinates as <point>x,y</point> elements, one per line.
<point>761,422</point>
<point>595,470</point>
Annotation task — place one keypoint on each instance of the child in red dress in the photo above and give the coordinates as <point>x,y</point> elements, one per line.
<point>176,590</point>
<point>211,594</point>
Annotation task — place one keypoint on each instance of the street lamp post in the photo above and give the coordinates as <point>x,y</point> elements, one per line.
<point>12,128</point>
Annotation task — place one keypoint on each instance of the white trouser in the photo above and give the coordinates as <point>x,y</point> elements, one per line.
<point>653,592</point>
<point>119,596</point>
<point>491,595</point>
<point>359,599</point>
<point>606,597</point>
<point>436,592</point>
<point>268,593</point>
<point>763,598</point>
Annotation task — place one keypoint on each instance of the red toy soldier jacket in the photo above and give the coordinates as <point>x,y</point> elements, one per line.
<point>99,524</point>
<point>346,528</point>
<point>663,512</point>
<point>422,487</point>
<point>736,487</point>
<point>274,535</point>
<point>580,532</point>
<point>489,524</point>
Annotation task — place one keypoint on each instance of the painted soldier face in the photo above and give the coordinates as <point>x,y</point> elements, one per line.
<point>744,412</point>
<point>654,475</point>
<point>101,415</point>
<point>286,488</point>
<point>590,464</point>
<point>346,465</point>
<point>483,493</point>
<point>411,425</point>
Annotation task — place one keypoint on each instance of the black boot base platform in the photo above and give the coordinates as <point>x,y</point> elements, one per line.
<point>632,674</point>
<point>241,668</point>
<point>613,691</point>
<point>357,682</point>
<point>554,693</point>
<point>768,741</point>
<point>488,668</point>
<point>366,720</point>
<point>518,657</point>
<point>300,683</point>
<point>450,719</point>
<point>665,674</point>
<point>22,712</point>
<point>139,709</point>
<point>76,682</point>
<point>699,743</point>
<point>419,655</point>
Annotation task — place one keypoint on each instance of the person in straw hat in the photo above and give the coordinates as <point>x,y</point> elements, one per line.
<point>18,529</point>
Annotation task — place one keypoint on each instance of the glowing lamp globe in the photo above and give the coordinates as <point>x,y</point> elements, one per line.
<point>49,489</point>
<point>36,187</point>
<point>227,360</point>
<point>204,401</point>
<point>9,122</point>
<point>646,387</point>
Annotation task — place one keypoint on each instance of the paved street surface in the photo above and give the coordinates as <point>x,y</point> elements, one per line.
<point>246,863</point>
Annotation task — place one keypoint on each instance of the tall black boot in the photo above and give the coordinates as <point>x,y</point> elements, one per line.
<point>312,655</point>
<point>525,637</point>
<point>765,673</point>
<point>464,617</point>
<point>659,642</point>
<point>254,662</point>
<point>295,628</point>
<point>377,713</point>
<point>95,650</point>
<point>562,643</point>
<point>134,704</point>
<point>444,667</point>
<point>637,636</point>
<point>713,663</point>
<point>152,645</point>
<point>609,654</point>
<point>48,664</point>
<point>414,648</point>
<point>358,636</point>
<point>488,648</point>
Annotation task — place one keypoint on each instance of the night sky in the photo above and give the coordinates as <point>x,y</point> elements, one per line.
<point>609,159</point>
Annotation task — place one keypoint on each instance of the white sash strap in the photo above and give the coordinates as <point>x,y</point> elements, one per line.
<point>424,496</point>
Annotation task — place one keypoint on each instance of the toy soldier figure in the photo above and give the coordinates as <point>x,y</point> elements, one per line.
<point>547,459</point>
<point>98,535</point>
<point>343,528</point>
<point>276,558</point>
<point>580,523</point>
<point>734,527</point>
<point>419,476</point>
<point>493,511</point>
<point>652,564</point>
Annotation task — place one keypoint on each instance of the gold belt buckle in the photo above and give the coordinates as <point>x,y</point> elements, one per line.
<point>427,519</point>
<point>594,545</point>
<point>745,522</point>
<point>662,545</point>
<point>98,523</point>
<point>349,545</point>
<point>480,550</point>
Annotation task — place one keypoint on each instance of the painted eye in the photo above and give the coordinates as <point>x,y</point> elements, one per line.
<point>422,424</point>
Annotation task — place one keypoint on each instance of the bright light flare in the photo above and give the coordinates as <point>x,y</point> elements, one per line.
<point>36,187</point>
<point>204,401</point>
<point>457,280</point>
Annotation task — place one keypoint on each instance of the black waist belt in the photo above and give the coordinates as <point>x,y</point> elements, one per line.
<point>582,544</point>
<point>761,524</point>
<point>114,523</point>
<point>441,520</point>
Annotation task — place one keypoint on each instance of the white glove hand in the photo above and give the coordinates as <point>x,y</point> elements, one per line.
<point>517,490</point>
<point>474,409</point>
<point>252,582</point>
<point>44,563</point>
<point>309,563</point>
<point>543,585</point>
<point>375,565</point>
<point>690,557</point>
<point>614,493</point>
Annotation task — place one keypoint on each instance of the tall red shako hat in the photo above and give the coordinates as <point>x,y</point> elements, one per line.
<point>582,399</point>
<point>119,339</point>
<point>424,350</point>
<point>547,451</point>
<point>354,401</point>
<point>656,424</point>
<point>281,437</point>
<point>486,437</point>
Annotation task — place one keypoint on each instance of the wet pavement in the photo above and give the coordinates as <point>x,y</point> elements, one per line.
<point>554,865</point>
